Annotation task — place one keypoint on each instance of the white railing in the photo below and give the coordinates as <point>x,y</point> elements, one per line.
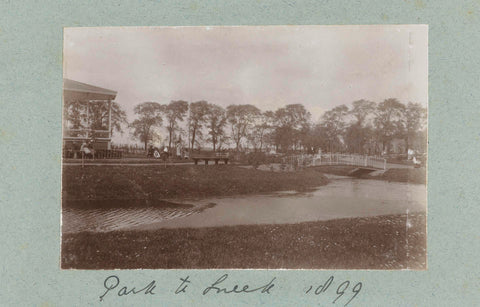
<point>354,160</point>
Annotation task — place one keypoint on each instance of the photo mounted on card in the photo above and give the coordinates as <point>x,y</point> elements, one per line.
<point>248,147</point>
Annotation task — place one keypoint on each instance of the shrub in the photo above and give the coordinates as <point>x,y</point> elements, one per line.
<point>256,158</point>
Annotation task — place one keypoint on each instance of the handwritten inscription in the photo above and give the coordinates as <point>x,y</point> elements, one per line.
<point>183,286</point>
<point>336,291</point>
<point>236,289</point>
<point>340,291</point>
<point>112,282</point>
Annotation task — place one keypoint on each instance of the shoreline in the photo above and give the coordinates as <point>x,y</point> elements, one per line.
<point>96,183</point>
<point>144,183</point>
<point>406,175</point>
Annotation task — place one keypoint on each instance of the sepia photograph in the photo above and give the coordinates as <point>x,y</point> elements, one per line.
<point>245,147</point>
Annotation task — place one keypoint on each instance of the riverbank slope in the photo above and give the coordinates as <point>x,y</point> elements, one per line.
<point>177,182</point>
<point>408,175</point>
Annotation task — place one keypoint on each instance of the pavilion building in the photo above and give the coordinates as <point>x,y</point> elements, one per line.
<point>87,116</point>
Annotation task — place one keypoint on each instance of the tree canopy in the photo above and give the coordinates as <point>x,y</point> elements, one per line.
<point>216,120</point>
<point>175,112</point>
<point>365,128</point>
<point>149,116</point>
<point>196,120</point>
<point>241,119</point>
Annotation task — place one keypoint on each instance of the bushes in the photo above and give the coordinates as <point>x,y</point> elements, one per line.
<point>257,158</point>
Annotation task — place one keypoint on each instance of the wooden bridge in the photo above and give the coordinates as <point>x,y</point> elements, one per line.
<point>364,164</point>
<point>210,156</point>
<point>374,163</point>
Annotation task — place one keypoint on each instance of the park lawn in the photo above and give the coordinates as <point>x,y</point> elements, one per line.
<point>381,242</point>
<point>177,181</point>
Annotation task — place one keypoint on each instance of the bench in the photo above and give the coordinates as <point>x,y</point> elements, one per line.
<point>210,157</point>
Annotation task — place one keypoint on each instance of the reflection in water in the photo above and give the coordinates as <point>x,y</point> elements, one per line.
<point>342,198</point>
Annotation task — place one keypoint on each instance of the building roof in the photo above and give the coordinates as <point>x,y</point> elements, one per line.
<point>78,90</point>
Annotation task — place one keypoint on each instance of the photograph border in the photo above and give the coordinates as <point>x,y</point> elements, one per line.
<point>31,46</point>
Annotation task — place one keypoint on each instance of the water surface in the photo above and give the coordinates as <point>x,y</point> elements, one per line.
<point>343,197</point>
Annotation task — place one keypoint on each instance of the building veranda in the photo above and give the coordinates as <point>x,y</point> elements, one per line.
<point>87,119</point>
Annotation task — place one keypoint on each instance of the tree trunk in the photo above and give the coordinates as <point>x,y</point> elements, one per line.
<point>170,141</point>
<point>386,147</point>
<point>193,137</point>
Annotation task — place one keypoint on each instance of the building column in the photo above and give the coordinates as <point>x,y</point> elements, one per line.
<point>87,136</point>
<point>109,144</point>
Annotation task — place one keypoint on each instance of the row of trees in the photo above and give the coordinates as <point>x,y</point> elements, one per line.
<point>239,125</point>
<point>366,127</point>
<point>371,128</point>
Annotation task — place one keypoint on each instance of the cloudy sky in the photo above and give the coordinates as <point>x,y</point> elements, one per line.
<point>318,66</point>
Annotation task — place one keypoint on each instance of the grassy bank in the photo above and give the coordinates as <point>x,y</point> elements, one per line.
<point>140,160</point>
<point>410,175</point>
<point>359,243</point>
<point>179,181</point>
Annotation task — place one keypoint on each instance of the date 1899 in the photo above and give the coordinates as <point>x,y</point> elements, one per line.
<point>342,289</point>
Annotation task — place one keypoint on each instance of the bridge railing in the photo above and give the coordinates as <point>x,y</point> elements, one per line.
<point>377,162</point>
<point>353,160</point>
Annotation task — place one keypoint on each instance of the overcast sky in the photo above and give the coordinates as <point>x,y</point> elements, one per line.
<point>318,66</point>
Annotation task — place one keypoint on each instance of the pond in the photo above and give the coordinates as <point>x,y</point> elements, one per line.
<point>343,197</point>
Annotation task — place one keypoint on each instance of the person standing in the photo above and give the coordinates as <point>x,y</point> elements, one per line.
<point>85,150</point>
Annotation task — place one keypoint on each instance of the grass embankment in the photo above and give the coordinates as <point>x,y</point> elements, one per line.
<point>140,160</point>
<point>410,175</point>
<point>382,242</point>
<point>179,181</point>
